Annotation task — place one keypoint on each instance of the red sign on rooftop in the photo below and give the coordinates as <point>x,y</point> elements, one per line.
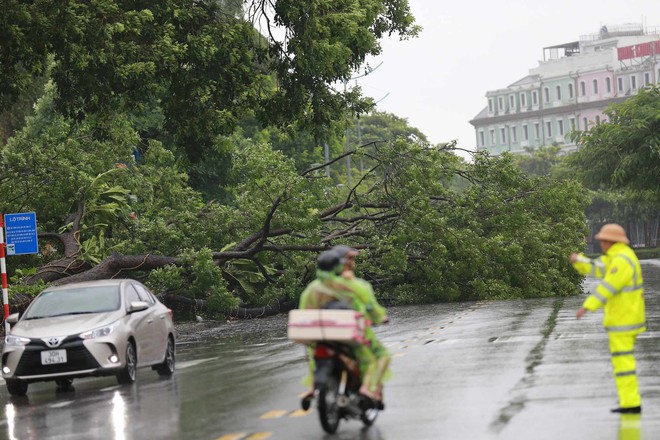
<point>639,50</point>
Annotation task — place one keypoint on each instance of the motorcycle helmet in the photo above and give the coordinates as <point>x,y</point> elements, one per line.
<point>330,261</point>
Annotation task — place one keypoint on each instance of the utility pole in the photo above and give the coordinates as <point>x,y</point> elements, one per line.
<point>348,145</point>
<point>359,130</point>
<point>327,159</point>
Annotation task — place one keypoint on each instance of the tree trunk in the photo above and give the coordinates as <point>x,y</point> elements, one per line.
<point>191,305</point>
<point>66,266</point>
<point>116,264</point>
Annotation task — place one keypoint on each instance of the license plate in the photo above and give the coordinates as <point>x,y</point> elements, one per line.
<point>50,357</point>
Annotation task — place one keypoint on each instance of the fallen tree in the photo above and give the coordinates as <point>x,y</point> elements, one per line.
<point>421,215</point>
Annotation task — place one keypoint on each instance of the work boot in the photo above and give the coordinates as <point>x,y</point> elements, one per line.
<point>630,410</point>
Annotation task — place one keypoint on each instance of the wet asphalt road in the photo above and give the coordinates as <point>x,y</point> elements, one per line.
<point>503,370</point>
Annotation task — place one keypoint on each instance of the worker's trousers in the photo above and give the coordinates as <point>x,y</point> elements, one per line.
<point>625,375</point>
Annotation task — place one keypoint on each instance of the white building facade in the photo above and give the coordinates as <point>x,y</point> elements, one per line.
<point>569,91</point>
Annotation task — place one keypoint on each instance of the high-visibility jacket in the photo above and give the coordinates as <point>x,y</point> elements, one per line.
<point>365,292</point>
<point>327,288</point>
<point>620,291</point>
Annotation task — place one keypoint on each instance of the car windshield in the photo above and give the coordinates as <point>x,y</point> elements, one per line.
<point>75,301</point>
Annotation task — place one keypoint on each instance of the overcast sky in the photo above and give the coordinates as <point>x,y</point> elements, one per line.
<point>438,80</point>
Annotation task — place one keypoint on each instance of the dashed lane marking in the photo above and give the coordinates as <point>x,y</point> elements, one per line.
<point>234,436</point>
<point>244,436</point>
<point>300,413</point>
<point>259,436</point>
<point>275,414</point>
<point>398,355</point>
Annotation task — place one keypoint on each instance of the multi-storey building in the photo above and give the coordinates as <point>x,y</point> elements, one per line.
<point>569,89</point>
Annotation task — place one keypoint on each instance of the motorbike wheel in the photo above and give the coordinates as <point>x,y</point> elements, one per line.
<point>329,411</point>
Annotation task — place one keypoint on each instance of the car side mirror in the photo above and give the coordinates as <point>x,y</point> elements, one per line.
<point>13,318</point>
<point>138,306</point>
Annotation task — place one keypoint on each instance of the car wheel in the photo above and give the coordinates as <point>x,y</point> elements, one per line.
<point>17,387</point>
<point>64,385</point>
<point>127,374</point>
<point>166,368</point>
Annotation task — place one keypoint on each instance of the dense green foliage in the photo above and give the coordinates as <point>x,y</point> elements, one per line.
<point>176,144</point>
<point>618,162</point>
<point>624,152</point>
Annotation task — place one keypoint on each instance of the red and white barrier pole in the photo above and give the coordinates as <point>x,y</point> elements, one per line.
<point>3,267</point>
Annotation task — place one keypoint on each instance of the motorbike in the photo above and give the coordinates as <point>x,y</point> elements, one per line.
<point>336,385</point>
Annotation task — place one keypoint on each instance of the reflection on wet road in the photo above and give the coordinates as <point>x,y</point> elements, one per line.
<point>508,369</point>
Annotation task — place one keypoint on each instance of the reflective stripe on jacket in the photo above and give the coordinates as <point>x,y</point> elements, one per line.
<point>620,290</point>
<point>591,266</point>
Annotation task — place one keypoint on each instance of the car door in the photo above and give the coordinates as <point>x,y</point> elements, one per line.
<point>159,329</point>
<point>142,325</point>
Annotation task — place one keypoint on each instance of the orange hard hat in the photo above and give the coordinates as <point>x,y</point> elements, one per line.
<point>612,232</point>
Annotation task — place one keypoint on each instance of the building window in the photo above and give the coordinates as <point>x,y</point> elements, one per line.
<point>608,84</point>
<point>523,100</point>
<point>570,90</point>
<point>548,129</point>
<point>500,104</point>
<point>514,134</point>
<point>619,83</point>
<point>595,82</point>
<point>512,102</point>
<point>572,121</point>
<point>482,138</point>
<point>546,92</point>
<point>647,79</point>
<point>492,137</point>
<point>490,105</point>
<point>503,135</point>
<point>583,88</point>
<point>535,98</point>
<point>558,89</point>
<point>537,130</point>
<point>584,123</point>
<point>560,127</point>
<point>525,133</point>
<point>633,82</point>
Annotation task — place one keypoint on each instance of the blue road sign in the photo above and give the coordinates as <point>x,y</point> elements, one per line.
<point>21,232</point>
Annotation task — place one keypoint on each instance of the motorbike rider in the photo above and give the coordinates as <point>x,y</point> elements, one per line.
<point>372,386</point>
<point>329,286</point>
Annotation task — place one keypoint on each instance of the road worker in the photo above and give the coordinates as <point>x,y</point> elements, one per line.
<point>620,293</point>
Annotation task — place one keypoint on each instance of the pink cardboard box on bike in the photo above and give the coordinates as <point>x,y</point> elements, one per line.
<point>308,326</point>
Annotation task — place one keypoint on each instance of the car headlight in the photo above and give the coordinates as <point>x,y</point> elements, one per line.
<point>98,332</point>
<point>16,341</point>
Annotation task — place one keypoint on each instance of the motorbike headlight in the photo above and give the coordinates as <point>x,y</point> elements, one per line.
<point>98,332</point>
<point>16,341</point>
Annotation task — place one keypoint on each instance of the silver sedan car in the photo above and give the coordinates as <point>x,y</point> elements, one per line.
<point>97,328</point>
